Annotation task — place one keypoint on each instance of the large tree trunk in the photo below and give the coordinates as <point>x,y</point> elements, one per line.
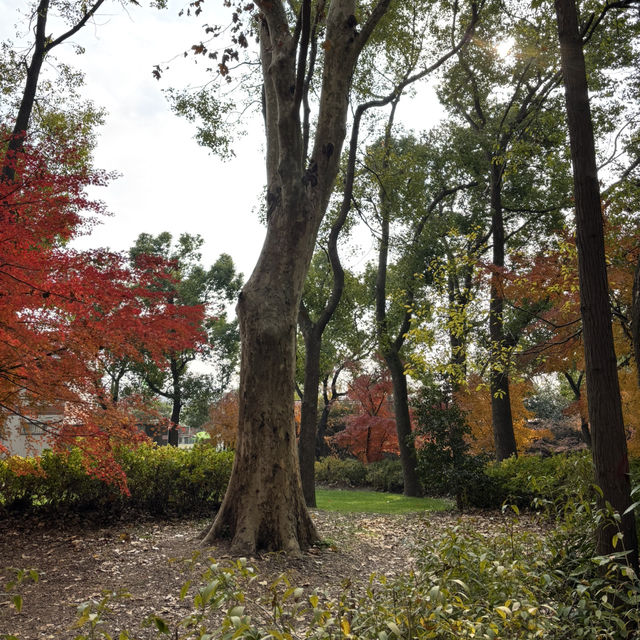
<point>264,506</point>
<point>501,419</point>
<point>609,447</point>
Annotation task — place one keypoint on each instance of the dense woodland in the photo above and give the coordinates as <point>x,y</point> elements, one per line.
<point>501,307</point>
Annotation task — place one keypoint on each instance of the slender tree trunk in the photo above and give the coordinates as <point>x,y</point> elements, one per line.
<point>458,289</point>
<point>577,394</point>
<point>176,403</point>
<point>309,417</point>
<point>16,143</point>
<point>321,445</point>
<point>408,457</point>
<point>41,47</point>
<point>635,319</point>
<point>609,446</point>
<point>501,418</point>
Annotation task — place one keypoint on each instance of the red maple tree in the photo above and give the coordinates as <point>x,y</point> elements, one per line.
<point>64,313</point>
<point>371,430</point>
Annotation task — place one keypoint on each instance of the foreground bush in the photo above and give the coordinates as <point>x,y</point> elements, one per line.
<point>161,480</point>
<point>516,585</point>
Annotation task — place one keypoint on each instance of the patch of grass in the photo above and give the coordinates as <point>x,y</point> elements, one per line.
<point>347,501</point>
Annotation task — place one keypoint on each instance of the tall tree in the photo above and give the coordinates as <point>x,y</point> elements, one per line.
<point>407,187</point>
<point>192,285</point>
<point>332,338</point>
<point>503,100</point>
<point>264,505</point>
<point>609,447</point>
<point>401,50</point>
<point>62,309</point>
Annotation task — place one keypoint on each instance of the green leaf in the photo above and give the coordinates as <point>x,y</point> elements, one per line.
<point>161,625</point>
<point>394,628</point>
<point>17,603</point>
<point>185,589</point>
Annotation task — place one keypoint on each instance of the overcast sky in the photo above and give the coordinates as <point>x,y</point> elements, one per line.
<point>168,182</point>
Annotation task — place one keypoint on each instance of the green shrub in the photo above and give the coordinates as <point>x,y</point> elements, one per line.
<point>66,485</point>
<point>445,464</point>
<point>385,475</point>
<point>333,471</point>
<point>161,480</point>
<point>535,481</point>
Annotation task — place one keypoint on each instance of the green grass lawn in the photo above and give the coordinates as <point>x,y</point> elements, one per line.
<point>347,501</point>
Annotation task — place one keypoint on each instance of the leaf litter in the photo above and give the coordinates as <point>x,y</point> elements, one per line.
<point>148,562</point>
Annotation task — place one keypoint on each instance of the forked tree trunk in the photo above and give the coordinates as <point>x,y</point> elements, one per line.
<point>264,506</point>
<point>609,446</point>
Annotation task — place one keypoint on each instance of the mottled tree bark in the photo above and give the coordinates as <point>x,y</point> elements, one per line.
<point>264,505</point>
<point>609,447</point>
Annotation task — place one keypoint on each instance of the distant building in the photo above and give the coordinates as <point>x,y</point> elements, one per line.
<point>30,436</point>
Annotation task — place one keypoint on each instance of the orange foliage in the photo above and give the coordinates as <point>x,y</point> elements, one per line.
<point>65,314</point>
<point>223,420</point>
<point>630,396</point>
<point>475,401</point>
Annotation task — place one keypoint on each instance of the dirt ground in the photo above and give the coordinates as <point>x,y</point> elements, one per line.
<point>150,560</point>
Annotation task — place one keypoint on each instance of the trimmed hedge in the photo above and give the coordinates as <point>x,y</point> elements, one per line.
<point>161,480</point>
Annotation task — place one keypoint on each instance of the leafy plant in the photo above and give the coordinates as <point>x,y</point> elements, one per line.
<point>90,618</point>
<point>444,461</point>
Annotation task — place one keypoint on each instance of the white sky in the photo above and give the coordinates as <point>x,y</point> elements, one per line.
<point>168,182</point>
